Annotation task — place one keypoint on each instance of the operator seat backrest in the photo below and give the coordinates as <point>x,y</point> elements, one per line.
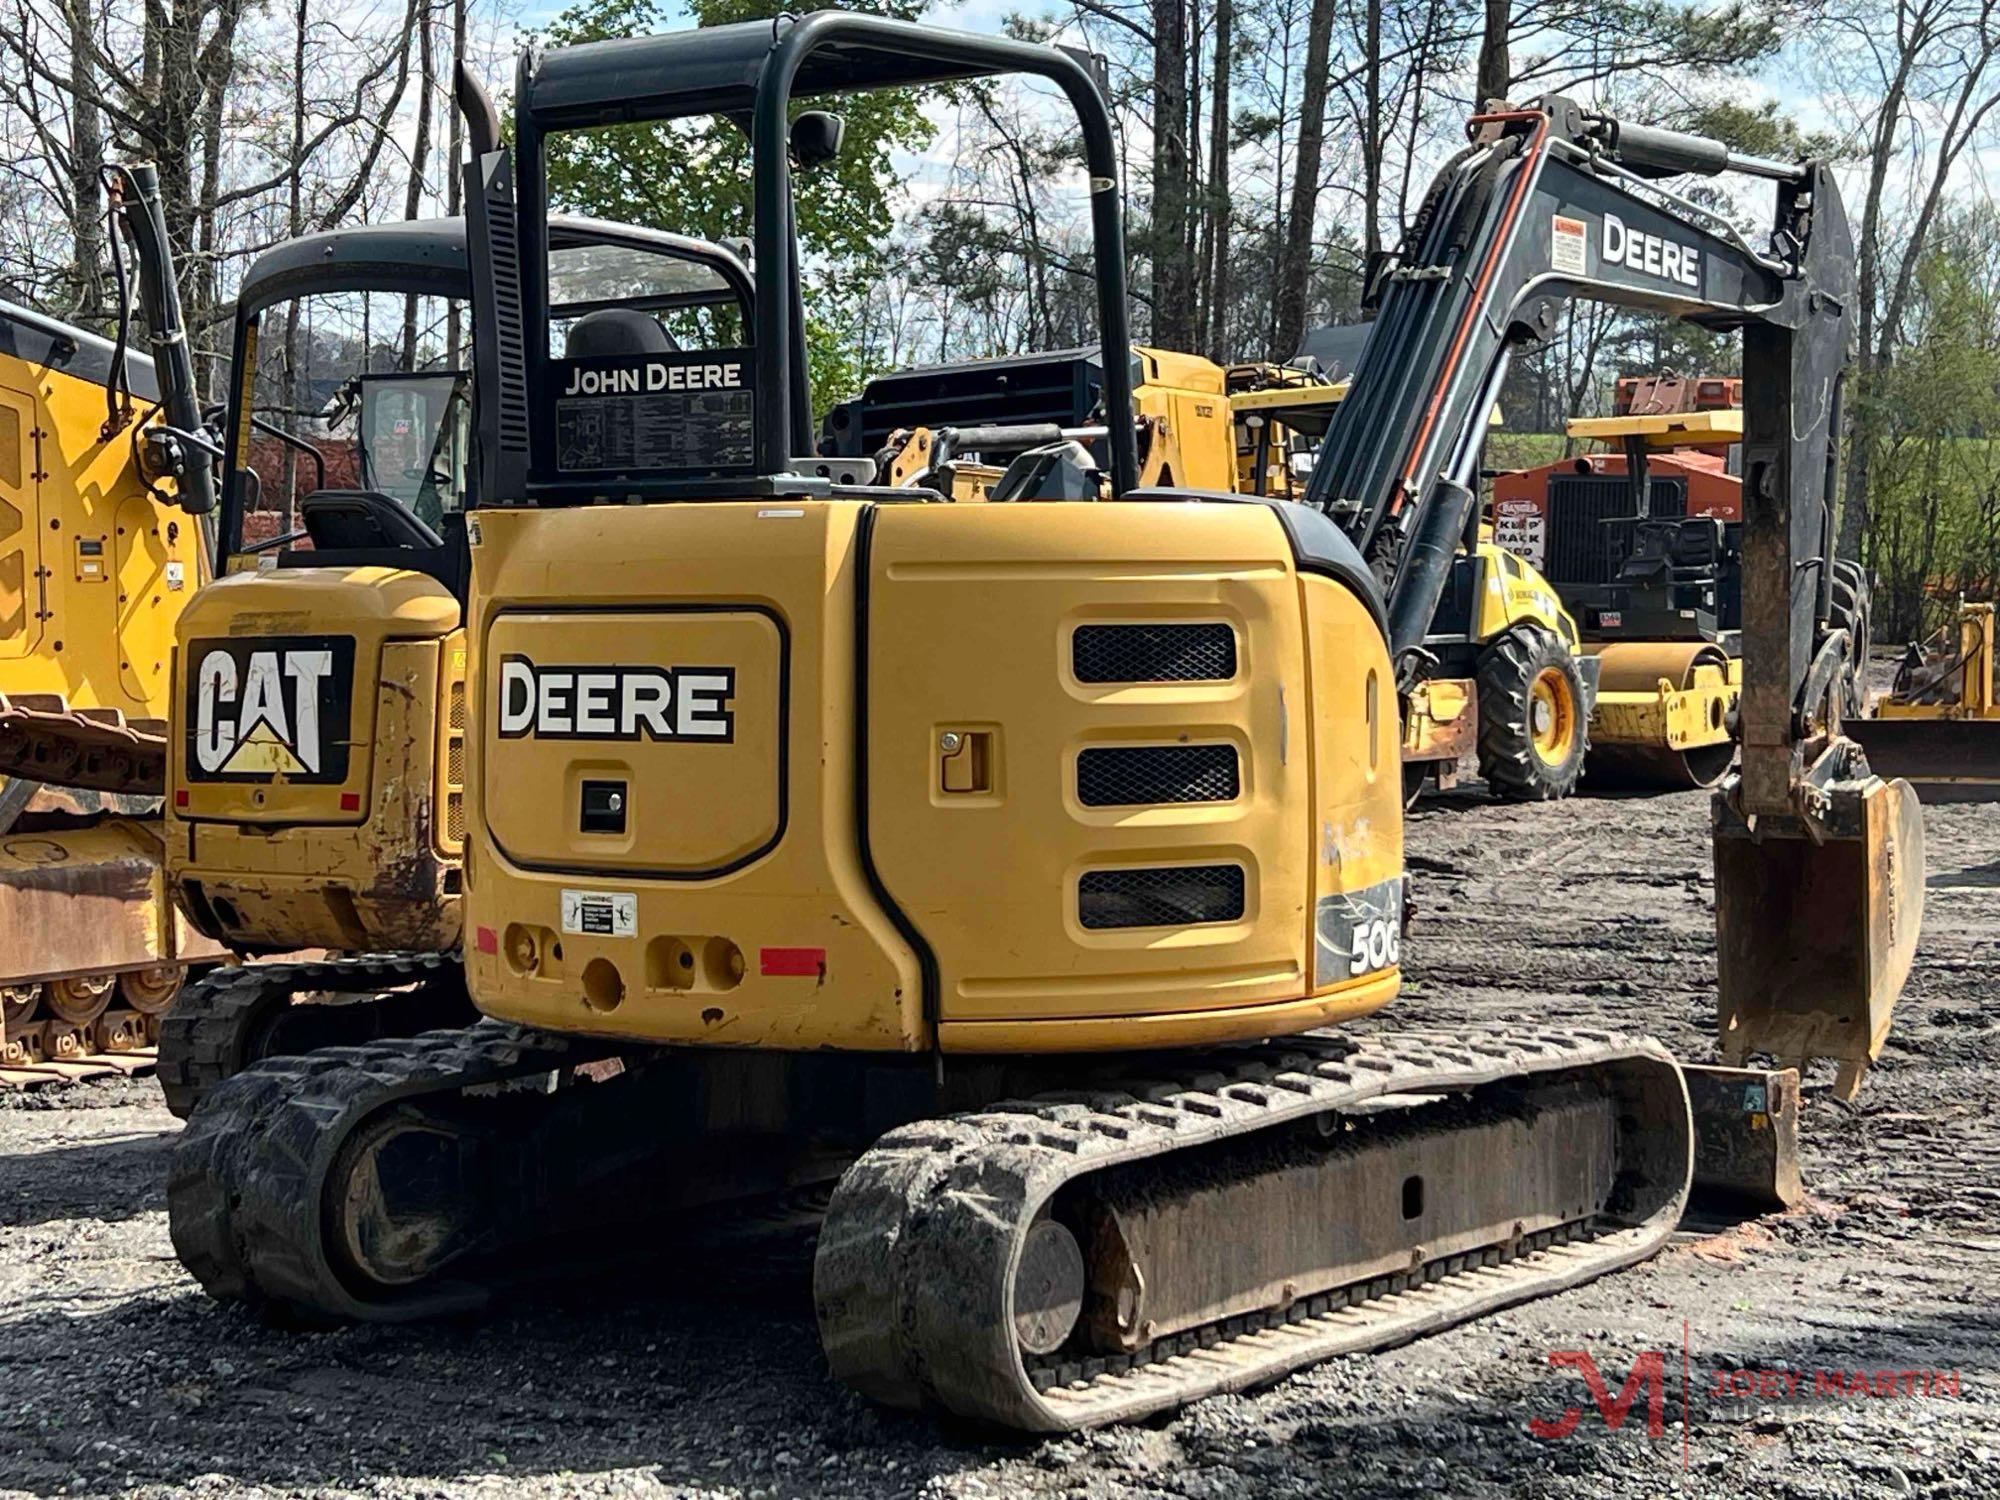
<point>616,330</point>
<point>345,520</point>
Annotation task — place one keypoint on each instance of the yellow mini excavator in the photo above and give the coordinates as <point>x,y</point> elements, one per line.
<point>993,862</point>
<point>317,792</point>
<point>105,490</point>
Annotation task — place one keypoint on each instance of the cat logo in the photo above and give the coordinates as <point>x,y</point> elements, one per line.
<point>261,709</point>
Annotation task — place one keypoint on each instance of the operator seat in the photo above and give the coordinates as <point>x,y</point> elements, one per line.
<point>346,520</point>
<point>617,330</point>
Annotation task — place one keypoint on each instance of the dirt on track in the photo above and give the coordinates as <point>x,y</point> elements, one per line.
<point>117,1376</point>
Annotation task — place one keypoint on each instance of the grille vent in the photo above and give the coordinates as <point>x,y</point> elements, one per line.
<point>1136,775</point>
<point>1168,897</point>
<point>1153,653</point>
<point>1578,549</point>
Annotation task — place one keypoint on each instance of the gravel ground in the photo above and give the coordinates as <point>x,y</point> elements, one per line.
<point>116,1375</point>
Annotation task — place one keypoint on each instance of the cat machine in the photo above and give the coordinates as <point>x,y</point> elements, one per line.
<point>105,494</point>
<point>998,863</point>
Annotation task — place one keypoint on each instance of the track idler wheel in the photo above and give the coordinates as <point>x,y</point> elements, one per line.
<point>406,1202</point>
<point>79,1000</point>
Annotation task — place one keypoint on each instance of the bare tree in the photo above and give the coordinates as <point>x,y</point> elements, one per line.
<point>1295,267</point>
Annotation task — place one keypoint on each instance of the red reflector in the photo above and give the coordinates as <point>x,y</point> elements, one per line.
<point>350,802</point>
<point>781,962</point>
<point>486,940</point>
<point>180,797</point>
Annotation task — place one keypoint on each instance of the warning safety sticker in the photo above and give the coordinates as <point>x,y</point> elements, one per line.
<point>1567,246</point>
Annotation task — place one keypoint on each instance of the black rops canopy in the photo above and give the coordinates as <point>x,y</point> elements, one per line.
<point>753,70</point>
<point>429,257</point>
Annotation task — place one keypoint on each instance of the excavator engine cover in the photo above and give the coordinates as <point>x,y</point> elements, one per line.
<point>1816,926</point>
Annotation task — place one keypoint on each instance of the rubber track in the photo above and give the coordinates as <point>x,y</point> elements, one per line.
<point>245,1189</point>
<point>913,1279</point>
<point>203,1035</point>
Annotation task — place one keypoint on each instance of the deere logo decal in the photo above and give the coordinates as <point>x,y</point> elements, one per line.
<point>270,707</point>
<point>616,702</point>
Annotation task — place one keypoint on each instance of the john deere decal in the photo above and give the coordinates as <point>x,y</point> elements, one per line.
<point>269,708</point>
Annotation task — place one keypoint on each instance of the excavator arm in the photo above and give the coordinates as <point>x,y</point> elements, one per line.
<point>1818,862</point>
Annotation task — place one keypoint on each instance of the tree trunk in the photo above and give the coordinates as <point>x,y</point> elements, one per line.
<point>1168,241</point>
<point>86,144</point>
<point>1295,264</point>
<point>1217,267</point>
<point>420,155</point>
<point>1495,74</point>
<point>295,206</point>
<point>1372,139</point>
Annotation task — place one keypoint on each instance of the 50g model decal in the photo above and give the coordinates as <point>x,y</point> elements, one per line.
<point>616,702</point>
<point>1359,932</point>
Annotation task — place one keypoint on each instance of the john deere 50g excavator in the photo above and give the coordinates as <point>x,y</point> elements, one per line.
<point>812,820</point>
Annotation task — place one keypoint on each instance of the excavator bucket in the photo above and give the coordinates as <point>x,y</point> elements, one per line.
<point>1816,927</point>
<point>1946,759</point>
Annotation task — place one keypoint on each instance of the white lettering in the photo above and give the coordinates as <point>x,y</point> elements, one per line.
<point>215,736</point>
<point>700,714</point>
<point>263,697</point>
<point>552,713</point>
<point>594,692</point>
<point>607,702</point>
<point>1667,259</point>
<point>642,703</point>
<point>517,695</point>
<point>306,669</point>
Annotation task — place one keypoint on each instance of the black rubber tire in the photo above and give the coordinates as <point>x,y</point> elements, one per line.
<point>1514,769</point>
<point>1853,612</point>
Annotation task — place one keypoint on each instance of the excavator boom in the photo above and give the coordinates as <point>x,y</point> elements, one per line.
<point>1548,205</point>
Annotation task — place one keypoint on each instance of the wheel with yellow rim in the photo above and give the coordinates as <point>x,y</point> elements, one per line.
<point>1534,727</point>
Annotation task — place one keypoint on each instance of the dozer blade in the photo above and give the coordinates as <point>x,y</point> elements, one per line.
<point>1816,927</point>
<point>1946,760</point>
